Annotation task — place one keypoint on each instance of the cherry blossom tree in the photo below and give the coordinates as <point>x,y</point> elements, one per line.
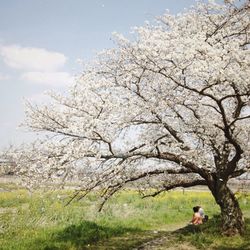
<point>168,109</point>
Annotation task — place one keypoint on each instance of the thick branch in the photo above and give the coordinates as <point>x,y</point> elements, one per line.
<point>184,184</point>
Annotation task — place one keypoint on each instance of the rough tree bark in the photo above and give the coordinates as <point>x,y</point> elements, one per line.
<point>232,221</point>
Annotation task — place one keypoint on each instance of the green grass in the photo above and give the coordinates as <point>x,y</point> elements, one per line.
<point>42,221</point>
<point>208,236</point>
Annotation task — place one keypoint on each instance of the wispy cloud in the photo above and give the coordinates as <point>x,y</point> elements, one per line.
<point>3,77</point>
<point>48,78</point>
<point>36,65</point>
<point>31,59</point>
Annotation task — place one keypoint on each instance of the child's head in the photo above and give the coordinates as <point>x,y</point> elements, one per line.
<point>196,209</point>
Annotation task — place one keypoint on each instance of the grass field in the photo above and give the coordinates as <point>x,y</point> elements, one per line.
<point>42,221</point>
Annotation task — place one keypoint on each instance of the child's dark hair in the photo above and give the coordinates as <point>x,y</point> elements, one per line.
<point>196,209</point>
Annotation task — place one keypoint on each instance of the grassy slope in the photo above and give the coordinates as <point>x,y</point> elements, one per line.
<point>41,221</point>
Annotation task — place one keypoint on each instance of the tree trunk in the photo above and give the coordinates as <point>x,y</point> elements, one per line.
<point>231,215</point>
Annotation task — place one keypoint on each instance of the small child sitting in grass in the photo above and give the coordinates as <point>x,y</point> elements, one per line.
<point>197,218</point>
<point>202,214</point>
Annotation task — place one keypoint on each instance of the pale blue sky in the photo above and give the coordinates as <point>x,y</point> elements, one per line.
<point>42,39</point>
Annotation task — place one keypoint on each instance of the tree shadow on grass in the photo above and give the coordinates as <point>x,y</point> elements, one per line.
<point>203,236</point>
<point>86,235</point>
<point>91,236</point>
